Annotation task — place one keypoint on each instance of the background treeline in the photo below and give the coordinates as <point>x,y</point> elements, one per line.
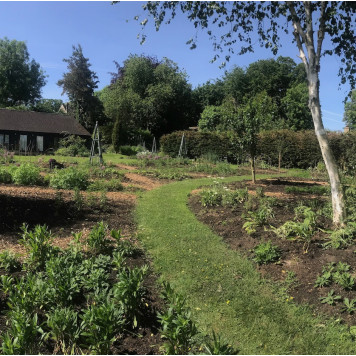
<point>149,97</point>
<point>289,148</point>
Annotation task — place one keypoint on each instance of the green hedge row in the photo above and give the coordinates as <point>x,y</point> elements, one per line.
<point>297,149</point>
<point>199,144</point>
<point>301,149</point>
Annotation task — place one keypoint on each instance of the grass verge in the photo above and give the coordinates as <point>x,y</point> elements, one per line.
<point>223,288</point>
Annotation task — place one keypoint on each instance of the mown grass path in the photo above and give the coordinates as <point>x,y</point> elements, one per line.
<point>223,289</point>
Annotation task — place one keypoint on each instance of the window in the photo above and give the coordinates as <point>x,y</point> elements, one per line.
<point>23,142</point>
<point>1,140</point>
<point>40,143</point>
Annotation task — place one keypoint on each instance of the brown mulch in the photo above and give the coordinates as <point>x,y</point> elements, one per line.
<point>227,222</point>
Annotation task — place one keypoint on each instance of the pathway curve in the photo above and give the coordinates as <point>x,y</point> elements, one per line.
<point>223,289</point>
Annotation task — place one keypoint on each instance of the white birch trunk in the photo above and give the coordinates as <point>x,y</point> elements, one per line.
<point>337,197</point>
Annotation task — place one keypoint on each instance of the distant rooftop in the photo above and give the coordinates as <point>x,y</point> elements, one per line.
<point>32,121</point>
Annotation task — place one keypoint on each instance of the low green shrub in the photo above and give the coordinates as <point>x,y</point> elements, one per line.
<point>72,146</point>
<point>336,273</point>
<point>342,237</point>
<point>177,327</point>
<point>130,150</point>
<point>37,242</point>
<point>24,336</point>
<point>303,227</point>
<point>265,253</point>
<point>101,325</point>
<point>5,176</point>
<point>113,185</point>
<point>9,261</point>
<point>69,178</point>
<point>27,174</point>
<point>129,293</point>
<point>64,329</point>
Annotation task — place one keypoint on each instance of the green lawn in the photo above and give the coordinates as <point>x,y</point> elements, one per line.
<point>223,289</point>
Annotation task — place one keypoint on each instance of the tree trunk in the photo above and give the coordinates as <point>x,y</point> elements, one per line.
<point>279,161</point>
<point>337,196</point>
<point>253,169</point>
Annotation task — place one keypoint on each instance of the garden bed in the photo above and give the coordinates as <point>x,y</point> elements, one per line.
<point>60,211</point>
<point>297,269</point>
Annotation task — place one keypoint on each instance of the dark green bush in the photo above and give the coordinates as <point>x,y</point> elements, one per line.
<point>69,178</point>
<point>301,149</point>
<point>72,146</point>
<point>5,176</point>
<point>129,150</point>
<point>200,144</point>
<point>26,174</point>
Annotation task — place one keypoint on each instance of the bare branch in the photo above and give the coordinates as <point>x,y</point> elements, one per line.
<point>321,33</point>
<point>298,35</point>
<point>296,23</point>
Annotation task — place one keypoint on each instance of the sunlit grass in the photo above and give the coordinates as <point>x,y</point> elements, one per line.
<point>223,288</point>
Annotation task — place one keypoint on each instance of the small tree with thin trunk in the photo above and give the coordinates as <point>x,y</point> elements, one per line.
<point>268,20</point>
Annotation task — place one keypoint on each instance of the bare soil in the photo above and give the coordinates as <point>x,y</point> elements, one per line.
<point>227,222</point>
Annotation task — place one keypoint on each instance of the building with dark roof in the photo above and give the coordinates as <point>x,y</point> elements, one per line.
<point>30,131</point>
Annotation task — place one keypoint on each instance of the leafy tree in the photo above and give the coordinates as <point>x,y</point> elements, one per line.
<point>47,105</point>
<point>21,79</point>
<point>350,111</point>
<point>256,114</point>
<point>79,84</point>
<point>295,107</point>
<point>269,19</point>
<point>147,94</point>
<point>209,94</point>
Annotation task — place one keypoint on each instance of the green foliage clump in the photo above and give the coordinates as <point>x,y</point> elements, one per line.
<point>9,261</point>
<point>63,329</point>
<point>265,253</point>
<point>129,292</point>
<point>37,242</point>
<point>5,176</point>
<point>177,327</point>
<point>130,150</point>
<point>26,174</point>
<point>303,227</point>
<point>211,197</point>
<point>336,273</point>
<point>113,185</point>
<point>97,240</point>
<point>342,237</point>
<point>73,146</point>
<point>69,178</point>
<point>331,298</point>
<point>101,324</point>
<point>199,144</point>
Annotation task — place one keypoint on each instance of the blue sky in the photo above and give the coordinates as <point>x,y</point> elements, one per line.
<point>109,32</point>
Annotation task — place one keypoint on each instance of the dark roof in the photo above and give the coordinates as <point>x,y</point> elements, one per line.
<point>31,121</point>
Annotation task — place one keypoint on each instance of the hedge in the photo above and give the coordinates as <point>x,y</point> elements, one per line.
<point>199,144</point>
<point>298,149</point>
<point>301,149</point>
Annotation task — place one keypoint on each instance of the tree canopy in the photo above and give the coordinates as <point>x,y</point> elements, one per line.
<point>79,84</point>
<point>350,111</point>
<point>21,79</point>
<point>148,94</point>
<point>282,83</point>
